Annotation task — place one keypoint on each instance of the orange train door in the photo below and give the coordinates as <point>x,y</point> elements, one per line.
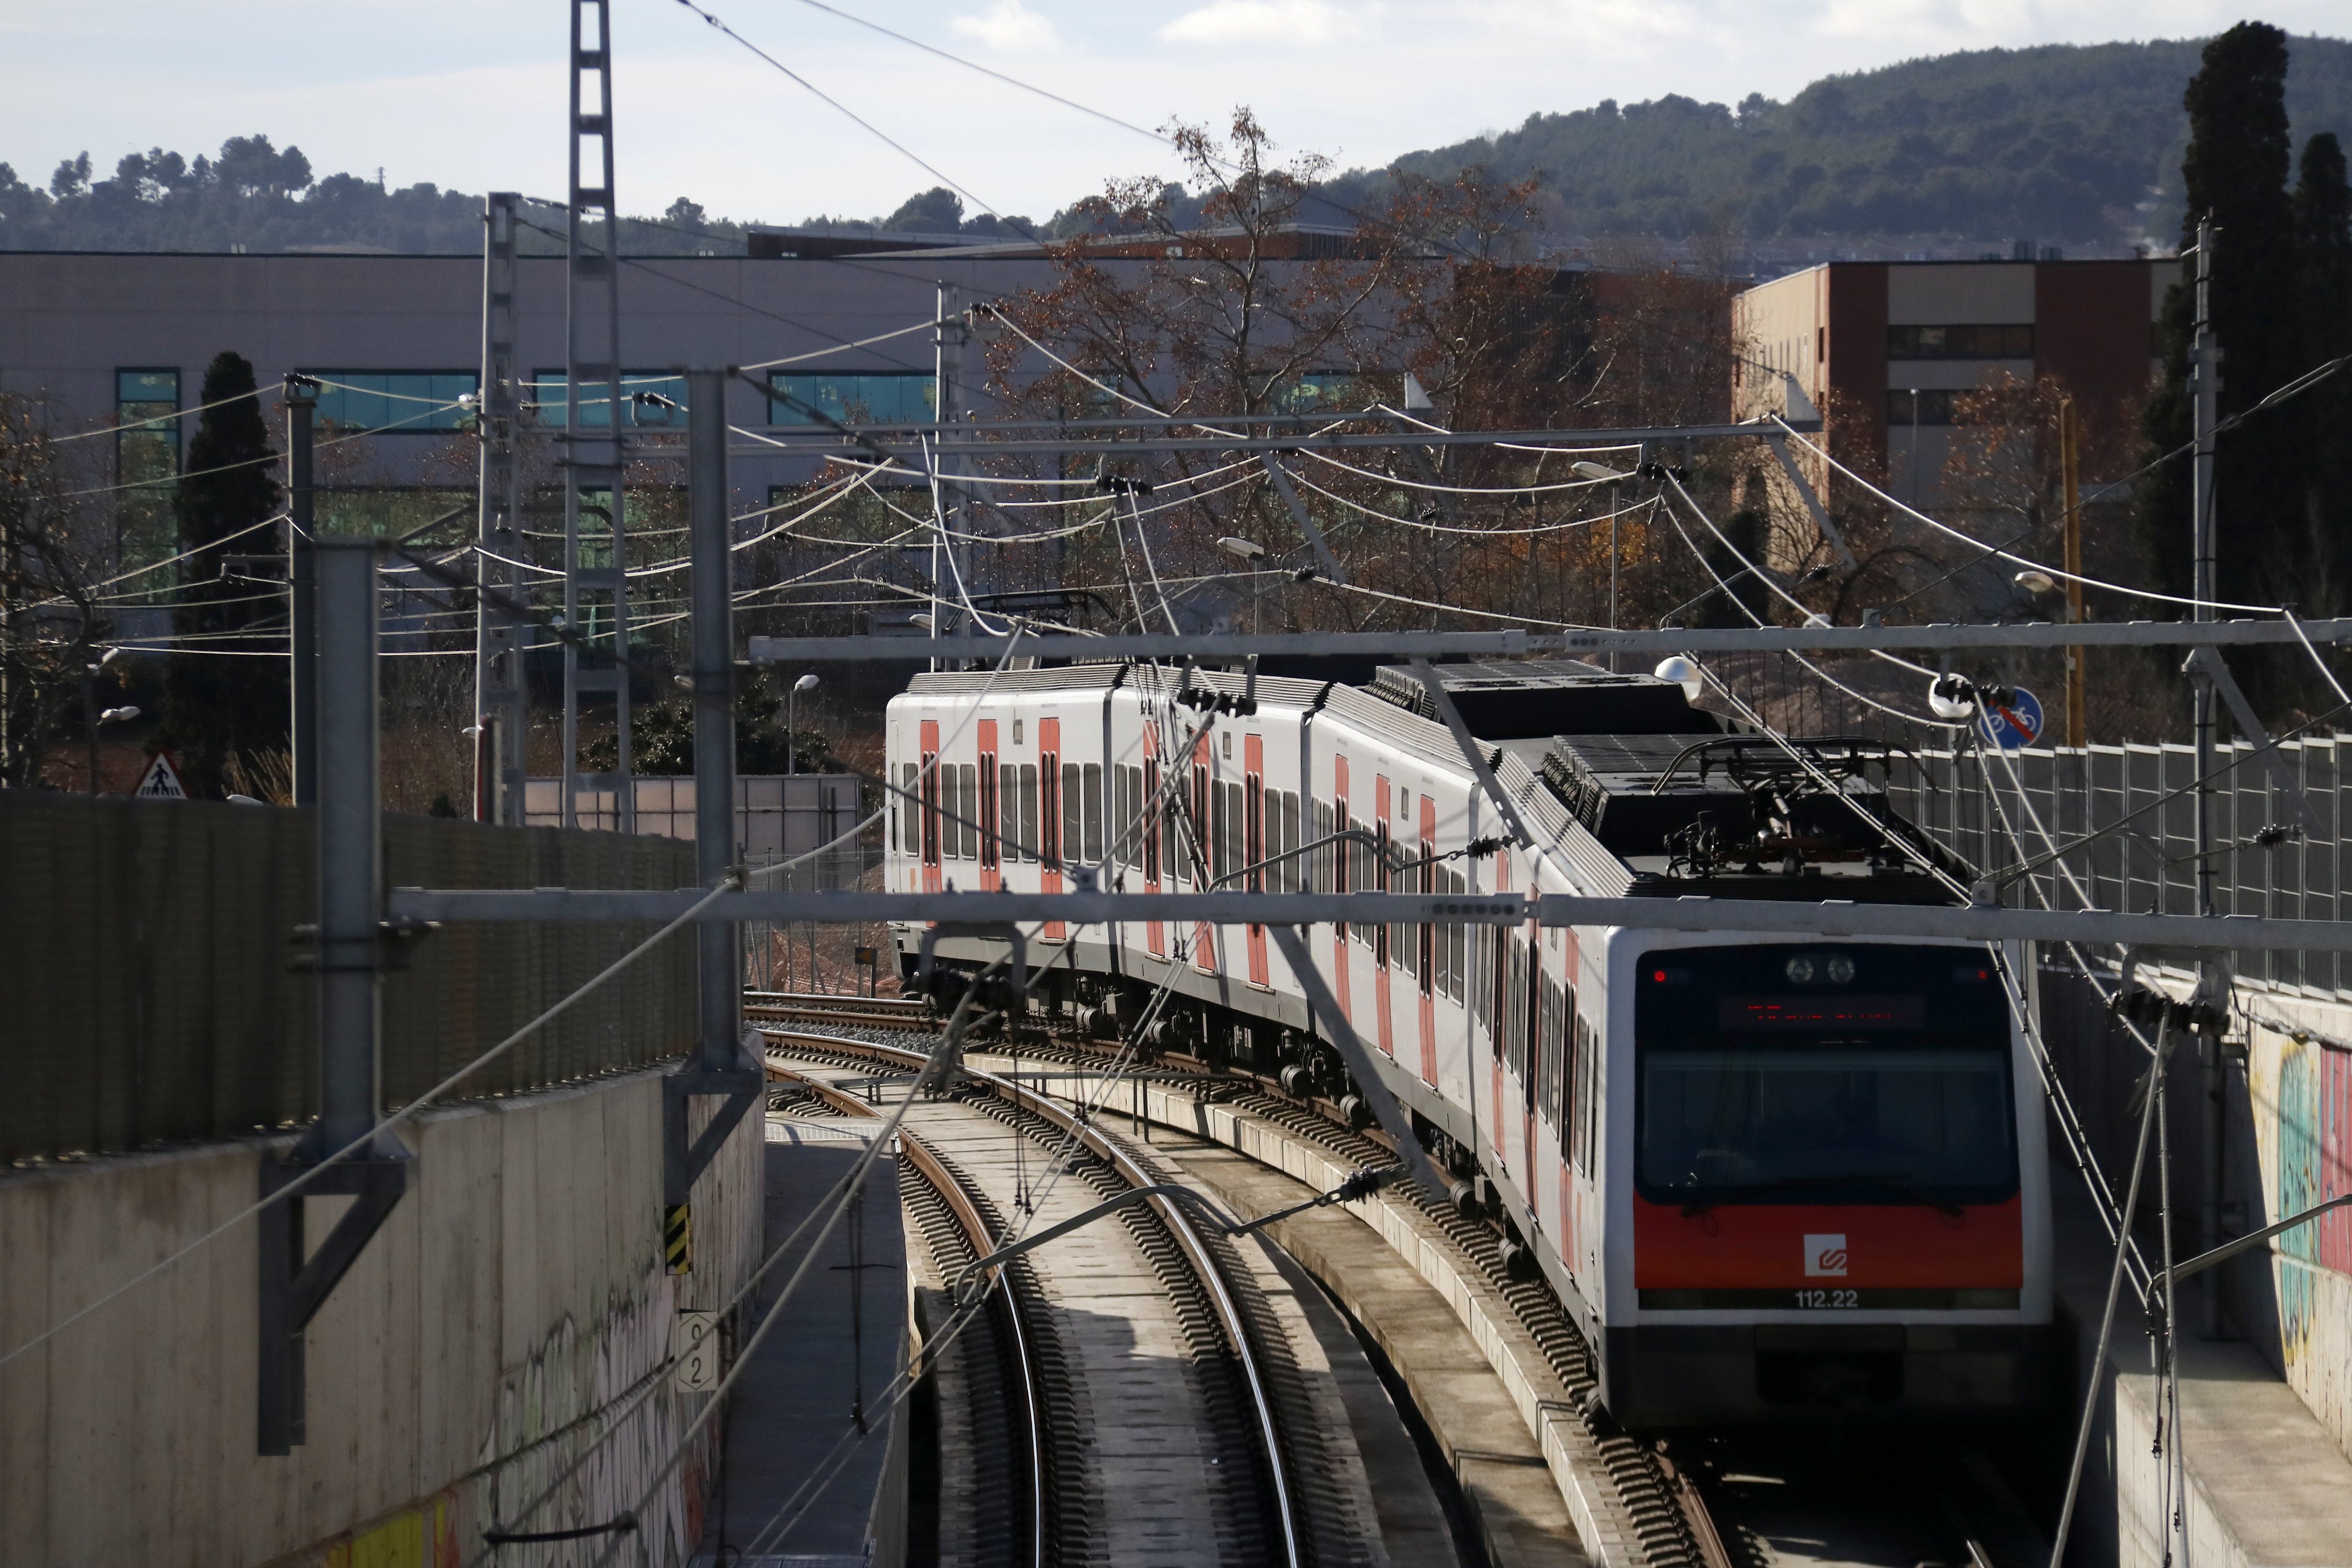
<point>1426,935</point>
<point>1049,815</point>
<point>1343,858</point>
<point>1155,934</point>
<point>991,871</point>
<point>1381,879</point>
<point>1254,844</point>
<point>927,786</point>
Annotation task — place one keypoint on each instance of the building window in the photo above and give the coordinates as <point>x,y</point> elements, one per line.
<point>655,399</point>
<point>847,397</point>
<point>1319,390</point>
<point>403,402</point>
<point>147,459</point>
<point>1960,342</point>
<point>1935,408</point>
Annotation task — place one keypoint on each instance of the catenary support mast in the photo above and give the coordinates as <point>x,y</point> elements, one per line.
<point>501,711</point>
<point>596,538</point>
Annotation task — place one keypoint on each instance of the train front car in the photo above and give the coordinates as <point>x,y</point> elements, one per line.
<point>1822,1171</point>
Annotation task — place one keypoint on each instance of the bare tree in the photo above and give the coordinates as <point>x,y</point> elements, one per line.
<point>53,624</point>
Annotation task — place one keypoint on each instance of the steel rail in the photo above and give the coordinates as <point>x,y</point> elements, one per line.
<point>1203,1264</point>
<point>1803,918</point>
<point>935,1171</point>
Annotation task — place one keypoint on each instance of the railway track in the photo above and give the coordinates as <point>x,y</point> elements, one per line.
<point>1213,1451</point>
<point>1692,1501</point>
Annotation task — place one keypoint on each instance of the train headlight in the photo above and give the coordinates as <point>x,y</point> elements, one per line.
<point>1800,970</point>
<point>1840,968</point>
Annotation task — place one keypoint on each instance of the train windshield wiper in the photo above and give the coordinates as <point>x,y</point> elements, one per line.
<point>1909,1192</point>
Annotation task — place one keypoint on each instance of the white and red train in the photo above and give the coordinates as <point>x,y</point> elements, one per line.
<point>1772,1180</point>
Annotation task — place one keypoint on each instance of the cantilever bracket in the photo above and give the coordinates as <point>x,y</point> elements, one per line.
<point>2208,662</point>
<point>1385,1105</point>
<point>293,1288</point>
<point>1471,752</point>
<point>684,1160</point>
<point>1829,531</point>
<point>1299,514</point>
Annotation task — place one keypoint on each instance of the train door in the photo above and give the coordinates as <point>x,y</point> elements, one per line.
<point>1049,816</point>
<point>1254,844</point>
<point>1204,844</point>
<point>1343,860</point>
<point>1148,827</point>
<point>1425,936</point>
<point>928,782</point>
<point>991,872</point>
<point>1383,878</point>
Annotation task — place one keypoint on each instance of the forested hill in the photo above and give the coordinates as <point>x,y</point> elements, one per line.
<point>2060,144</point>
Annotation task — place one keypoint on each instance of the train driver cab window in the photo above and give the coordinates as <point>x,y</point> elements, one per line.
<point>1846,1074</point>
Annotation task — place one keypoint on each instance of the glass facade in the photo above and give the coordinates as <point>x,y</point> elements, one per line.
<point>1933,406</point>
<point>1320,390</point>
<point>656,400</point>
<point>1967,341</point>
<point>146,459</point>
<point>396,402</point>
<point>886,397</point>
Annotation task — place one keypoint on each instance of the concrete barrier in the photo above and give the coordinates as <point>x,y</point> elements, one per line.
<point>511,1309</point>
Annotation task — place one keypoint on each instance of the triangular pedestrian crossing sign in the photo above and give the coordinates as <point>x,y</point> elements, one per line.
<point>160,781</point>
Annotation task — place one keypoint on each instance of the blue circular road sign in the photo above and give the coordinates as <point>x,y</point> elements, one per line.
<point>2012,724</point>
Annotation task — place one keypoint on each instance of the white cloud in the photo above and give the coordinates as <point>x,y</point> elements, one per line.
<point>1009,26</point>
<point>1292,22</point>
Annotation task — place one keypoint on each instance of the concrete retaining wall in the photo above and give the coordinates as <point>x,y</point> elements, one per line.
<point>515,1294</point>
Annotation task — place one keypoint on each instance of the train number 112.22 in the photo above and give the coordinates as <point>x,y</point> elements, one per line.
<point>1830,1298</point>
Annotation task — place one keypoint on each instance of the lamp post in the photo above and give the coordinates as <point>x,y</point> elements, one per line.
<point>792,727</point>
<point>1252,552</point>
<point>92,717</point>
<point>1615,479</point>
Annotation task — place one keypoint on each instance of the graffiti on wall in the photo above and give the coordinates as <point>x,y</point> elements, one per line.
<point>2314,1163</point>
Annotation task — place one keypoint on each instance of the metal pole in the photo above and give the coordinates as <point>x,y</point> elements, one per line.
<point>2070,472</point>
<point>1615,492</point>
<point>2205,387</point>
<point>301,589</point>
<point>792,729</point>
<point>351,881</point>
<point>500,699</point>
<point>90,721</point>
<point>948,554</point>
<point>714,706</point>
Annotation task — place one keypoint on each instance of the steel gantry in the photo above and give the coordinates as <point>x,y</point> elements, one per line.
<point>594,441</point>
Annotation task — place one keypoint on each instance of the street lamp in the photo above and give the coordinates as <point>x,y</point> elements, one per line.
<point>1600,471</point>
<point>792,731</point>
<point>91,717</point>
<point>1251,551</point>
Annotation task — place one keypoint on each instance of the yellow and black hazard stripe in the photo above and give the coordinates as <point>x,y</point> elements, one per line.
<point>677,1239</point>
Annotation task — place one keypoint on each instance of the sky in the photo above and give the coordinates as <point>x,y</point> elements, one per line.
<point>469,94</point>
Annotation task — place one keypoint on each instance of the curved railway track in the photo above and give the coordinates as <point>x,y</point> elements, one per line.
<point>1216,1452</point>
<point>1693,1501</point>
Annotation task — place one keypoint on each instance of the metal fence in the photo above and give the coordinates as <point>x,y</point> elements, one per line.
<point>151,987</point>
<point>2134,807</point>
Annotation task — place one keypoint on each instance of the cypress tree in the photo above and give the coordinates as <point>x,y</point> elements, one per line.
<point>217,704</point>
<point>2323,224</point>
<point>2236,173</point>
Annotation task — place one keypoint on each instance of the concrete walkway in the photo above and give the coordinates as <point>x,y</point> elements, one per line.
<point>790,1422</point>
<point>2268,1488</point>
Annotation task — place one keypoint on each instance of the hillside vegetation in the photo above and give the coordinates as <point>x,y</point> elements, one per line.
<point>2058,143</point>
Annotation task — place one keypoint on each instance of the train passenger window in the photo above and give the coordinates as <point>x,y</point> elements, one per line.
<point>1008,809</point>
<point>1550,1020</point>
<point>1157,835</point>
<point>1122,814</point>
<point>1236,828</point>
<point>911,805</point>
<point>1072,842</point>
<point>1294,871</point>
<point>1049,809</point>
<point>985,818</point>
<point>1094,814</point>
<point>1027,836</point>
